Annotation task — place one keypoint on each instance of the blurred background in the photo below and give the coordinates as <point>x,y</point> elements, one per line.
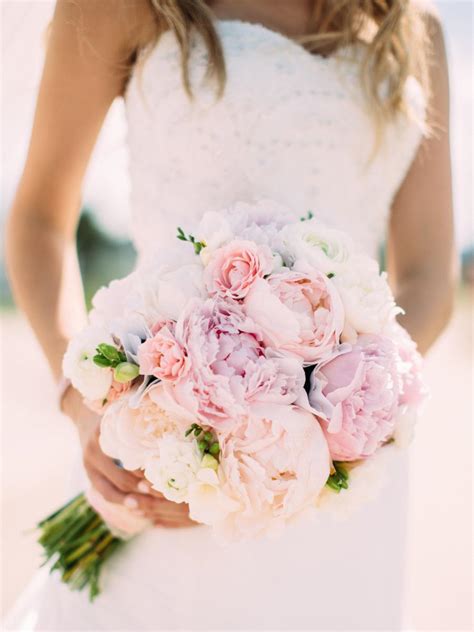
<point>37,443</point>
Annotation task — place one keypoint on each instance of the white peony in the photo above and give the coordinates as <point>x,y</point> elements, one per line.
<point>175,467</point>
<point>326,249</point>
<point>367,479</point>
<point>165,292</point>
<point>367,298</point>
<point>119,299</point>
<point>92,381</point>
<point>260,222</point>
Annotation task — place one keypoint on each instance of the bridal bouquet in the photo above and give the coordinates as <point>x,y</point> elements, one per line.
<point>261,379</point>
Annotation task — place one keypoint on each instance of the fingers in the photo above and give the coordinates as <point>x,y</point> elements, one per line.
<point>106,488</point>
<point>175,524</point>
<point>121,478</point>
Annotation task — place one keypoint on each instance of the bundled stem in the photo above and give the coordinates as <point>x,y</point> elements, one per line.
<point>77,541</point>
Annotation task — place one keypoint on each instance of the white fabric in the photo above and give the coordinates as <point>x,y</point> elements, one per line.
<point>291,127</point>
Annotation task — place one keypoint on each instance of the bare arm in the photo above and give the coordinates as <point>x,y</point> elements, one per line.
<point>90,45</point>
<point>83,73</point>
<point>421,253</point>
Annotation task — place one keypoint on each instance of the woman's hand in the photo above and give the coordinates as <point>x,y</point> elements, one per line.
<point>116,484</point>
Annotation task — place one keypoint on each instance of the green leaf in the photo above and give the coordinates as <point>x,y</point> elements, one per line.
<point>101,361</point>
<point>109,352</point>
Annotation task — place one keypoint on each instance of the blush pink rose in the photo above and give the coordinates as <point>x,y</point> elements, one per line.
<point>273,467</point>
<point>162,355</point>
<point>228,364</point>
<point>234,268</point>
<point>299,312</point>
<point>122,521</point>
<point>357,395</point>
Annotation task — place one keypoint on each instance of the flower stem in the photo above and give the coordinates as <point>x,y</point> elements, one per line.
<point>79,542</point>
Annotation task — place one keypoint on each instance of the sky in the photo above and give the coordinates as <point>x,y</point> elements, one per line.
<point>106,185</point>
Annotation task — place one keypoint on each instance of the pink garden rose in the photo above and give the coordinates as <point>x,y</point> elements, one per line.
<point>234,268</point>
<point>357,395</point>
<point>273,466</point>
<point>228,364</point>
<point>162,355</point>
<point>299,312</point>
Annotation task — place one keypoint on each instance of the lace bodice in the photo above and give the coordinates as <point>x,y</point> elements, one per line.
<point>291,127</point>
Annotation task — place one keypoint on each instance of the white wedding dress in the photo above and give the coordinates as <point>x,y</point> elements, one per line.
<point>291,127</point>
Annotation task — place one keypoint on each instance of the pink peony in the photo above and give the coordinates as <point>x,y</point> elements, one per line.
<point>299,312</point>
<point>357,394</point>
<point>228,364</point>
<point>162,355</point>
<point>234,268</point>
<point>273,467</point>
<point>124,522</point>
<point>413,390</point>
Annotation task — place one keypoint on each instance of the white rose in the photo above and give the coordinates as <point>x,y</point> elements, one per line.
<point>368,300</point>
<point>92,381</point>
<point>175,468</point>
<point>324,248</point>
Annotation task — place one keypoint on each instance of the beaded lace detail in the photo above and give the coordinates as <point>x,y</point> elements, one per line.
<point>291,126</point>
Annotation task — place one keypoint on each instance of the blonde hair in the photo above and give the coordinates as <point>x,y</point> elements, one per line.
<point>393,32</point>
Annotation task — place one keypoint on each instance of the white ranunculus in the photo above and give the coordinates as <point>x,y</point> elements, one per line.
<point>326,249</point>
<point>92,381</point>
<point>367,298</point>
<point>175,468</point>
<point>207,502</point>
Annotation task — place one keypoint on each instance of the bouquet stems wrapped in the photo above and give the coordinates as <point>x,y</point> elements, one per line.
<point>78,542</point>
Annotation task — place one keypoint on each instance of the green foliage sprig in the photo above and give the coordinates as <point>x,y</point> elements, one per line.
<point>198,245</point>
<point>108,356</point>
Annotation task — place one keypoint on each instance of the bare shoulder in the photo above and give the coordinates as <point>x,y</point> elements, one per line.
<point>114,27</point>
<point>433,23</point>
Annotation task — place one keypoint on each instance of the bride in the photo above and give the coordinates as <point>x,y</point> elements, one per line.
<point>338,106</point>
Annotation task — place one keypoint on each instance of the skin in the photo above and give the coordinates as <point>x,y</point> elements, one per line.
<point>86,67</point>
